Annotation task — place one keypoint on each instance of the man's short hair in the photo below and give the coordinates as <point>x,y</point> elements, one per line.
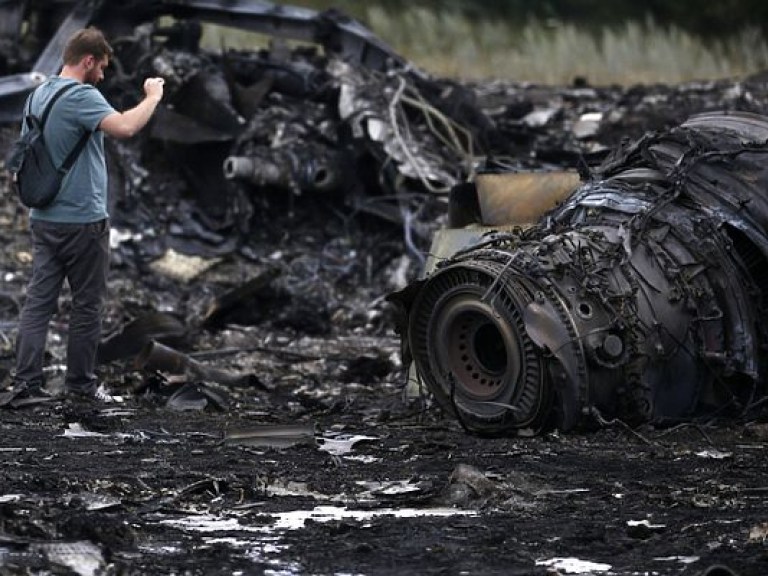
<point>86,42</point>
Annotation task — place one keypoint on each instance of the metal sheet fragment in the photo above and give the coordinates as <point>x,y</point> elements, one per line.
<point>272,436</point>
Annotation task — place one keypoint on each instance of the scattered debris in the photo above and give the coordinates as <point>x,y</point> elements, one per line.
<point>279,196</point>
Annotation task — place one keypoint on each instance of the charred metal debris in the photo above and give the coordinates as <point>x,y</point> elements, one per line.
<point>639,297</point>
<point>340,119</point>
<point>342,116</point>
<point>566,283</point>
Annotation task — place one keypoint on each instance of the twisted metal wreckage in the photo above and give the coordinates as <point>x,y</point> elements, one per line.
<point>637,294</point>
<point>242,134</point>
<point>355,119</point>
<point>640,297</point>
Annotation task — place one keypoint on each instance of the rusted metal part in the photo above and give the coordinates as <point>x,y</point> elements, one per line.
<point>520,198</point>
<point>639,297</point>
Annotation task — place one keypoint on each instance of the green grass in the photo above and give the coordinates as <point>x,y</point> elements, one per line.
<point>445,43</point>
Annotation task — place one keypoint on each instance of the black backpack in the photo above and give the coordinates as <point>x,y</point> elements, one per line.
<point>34,175</point>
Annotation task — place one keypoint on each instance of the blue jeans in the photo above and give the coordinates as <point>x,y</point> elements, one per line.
<point>78,253</point>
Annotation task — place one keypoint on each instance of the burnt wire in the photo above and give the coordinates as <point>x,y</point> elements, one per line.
<point>696,426</point>
<point>486,297</point>
<point>452,139</point>
<point>618,422</point>
<point>401,132</point>
<point>394,112</point>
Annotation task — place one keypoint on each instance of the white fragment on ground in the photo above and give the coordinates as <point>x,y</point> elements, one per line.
<point>341,445</point>
<point>682,559</point>
<point>714,454</point>
<point>645,524</point>
<point>574,565</point>
<point>390,487</point>
<point>76,430</point>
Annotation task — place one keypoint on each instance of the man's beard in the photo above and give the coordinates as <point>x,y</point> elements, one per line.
<point>91,77</point>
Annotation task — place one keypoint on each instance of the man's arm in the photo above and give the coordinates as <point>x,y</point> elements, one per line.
<point>128,123</point>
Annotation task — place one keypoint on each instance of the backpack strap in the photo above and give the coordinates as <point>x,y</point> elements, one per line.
<point>70,159</point>
<point>75,152</point>
<point>56,96</point>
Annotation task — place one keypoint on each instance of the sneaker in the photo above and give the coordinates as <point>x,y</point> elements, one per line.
<point>100,394</point>
<point>24,394</point>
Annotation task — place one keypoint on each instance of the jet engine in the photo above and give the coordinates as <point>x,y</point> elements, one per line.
<point>641,296</point>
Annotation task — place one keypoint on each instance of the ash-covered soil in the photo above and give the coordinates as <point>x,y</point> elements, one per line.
<point>159,492</point>
<point>317,461</point>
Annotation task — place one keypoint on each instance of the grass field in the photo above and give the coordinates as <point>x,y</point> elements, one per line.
<point>448,44</point>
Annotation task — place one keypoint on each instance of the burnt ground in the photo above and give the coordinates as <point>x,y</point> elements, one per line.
<point>316,461</point>
<point>159,492</point>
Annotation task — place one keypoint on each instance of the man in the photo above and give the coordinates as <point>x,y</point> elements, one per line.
<point>71,236</point>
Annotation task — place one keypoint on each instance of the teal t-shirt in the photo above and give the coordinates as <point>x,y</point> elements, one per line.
<point>83,195</point>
